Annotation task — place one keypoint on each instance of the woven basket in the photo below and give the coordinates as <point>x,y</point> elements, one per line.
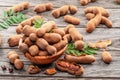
<point>45,59</point>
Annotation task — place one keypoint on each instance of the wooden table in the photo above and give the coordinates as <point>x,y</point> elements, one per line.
<point>96,71</point>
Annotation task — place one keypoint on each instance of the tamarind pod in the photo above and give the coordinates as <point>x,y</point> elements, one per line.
<point>59,31</point>
<point>51,49</point>
<point>14,40</point>
<point>35,18</point>
<point>26,22</point>
<point>73,9</point>
<point>67,38</point>
<point>84,2</point>
<point>71,19</point>
<point>90,16</point>
<point>42,43</point>
<point>91,10</point>
<point>33,37</point>
<point>49,26</point>
<point>93,23</point>
<point>64,10</point>
<point>118,1</point>
<point>75,35</point>
<point>49,6</point>
<point>84,59</point>
<point>66,29</point>
<point>56,13</point>
<point>19,7</point>
<point>27,30</point>
<point>33,50</point>
<point>52,38</point>
<point>106,21</point>
<point>60,45</point>
<point>40,8</point>
<point>40,32</point>
<point>28,41</point>
<point>69,67</point>
<point>19,29</point>
<point>43,53</point>
<point>79,45</point>
<point>23,47</point>
<point>106,56</point>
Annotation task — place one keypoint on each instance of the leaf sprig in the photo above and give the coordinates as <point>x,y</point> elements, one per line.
<point>38,23</point>
<point>10,18</point>
<point>87,50</point>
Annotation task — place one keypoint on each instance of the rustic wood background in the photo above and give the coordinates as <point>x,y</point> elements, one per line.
<point>96,71</point>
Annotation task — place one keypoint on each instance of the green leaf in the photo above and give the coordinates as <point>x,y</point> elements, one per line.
<point>5,14</point>
<point>87,50</point>
<point>10,12</point>
<point>38,23</point>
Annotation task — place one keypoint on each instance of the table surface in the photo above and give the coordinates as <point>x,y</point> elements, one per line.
<point>96,71</point>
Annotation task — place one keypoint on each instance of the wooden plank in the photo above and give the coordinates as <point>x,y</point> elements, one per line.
<point>52,78</point>
<point>96,70</point>
<point>58,3</point>
<point>80,14</point>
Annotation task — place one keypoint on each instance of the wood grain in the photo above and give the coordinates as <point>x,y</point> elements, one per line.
<point>96,71</point>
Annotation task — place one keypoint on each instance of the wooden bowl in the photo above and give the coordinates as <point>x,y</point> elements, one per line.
<point>45,59</point>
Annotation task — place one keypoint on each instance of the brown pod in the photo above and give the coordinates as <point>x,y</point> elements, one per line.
<point>90,16</point>
<point>33,69</point>
<point>27,30</point>
<point>33,50</point>
<point>106,21</point>
<point>79,45</point>
<point>71,19</point>
<point>33,37</point>
<point>26,22</point>
<point>51,49</point>
<point>42,43</point>
<point>67,38</point>
<point>18,64</point>
<point>56,13</point>
<point>66,29</point>
<point>19,29</point>
<point>118,1</point>
<point>14,40</point>
<point>13,57</point>
<point>64,10</point>
<point>23,47</point>
<point>59,31</point>
<point>50,71</point>
<point>69,67</point>
<point>40,32</point>
<point>60,45</point>
<point>84,59</point>
<point>73,9</point>
<point>43,53</point>
<point>48,26</point>
<point>106,57</point>
<point>75,35</point>
<point>52,38</point>
<point>40,8</point>
<point>10,53</point>
<point>28,41</point>
<point>49,6</point>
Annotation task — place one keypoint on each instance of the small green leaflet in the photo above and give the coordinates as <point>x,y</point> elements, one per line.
<point>38,23</point>
<point>10,18</point>
<point>87,50</point>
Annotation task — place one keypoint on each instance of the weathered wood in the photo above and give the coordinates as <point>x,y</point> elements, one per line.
<point>97,69</point>
<point>58,3</point>
<point>80,14</point>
